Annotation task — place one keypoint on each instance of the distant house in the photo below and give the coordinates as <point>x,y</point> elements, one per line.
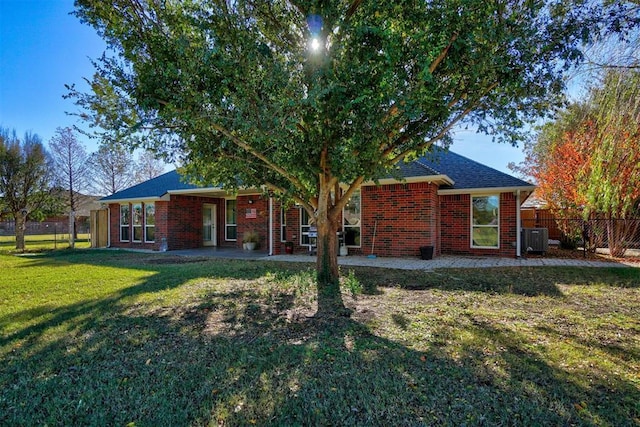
<point>443,200</point>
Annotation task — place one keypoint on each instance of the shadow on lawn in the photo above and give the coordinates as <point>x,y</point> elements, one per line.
<point>525,281</point>
<point>239,357</point>
<point>169,273</point>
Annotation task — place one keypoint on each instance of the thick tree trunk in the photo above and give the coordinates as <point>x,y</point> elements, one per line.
<point>328,276</point>
<point>21,226</point>
<point>72,229</point>
<point>330,301</point>
<point>616,234</point>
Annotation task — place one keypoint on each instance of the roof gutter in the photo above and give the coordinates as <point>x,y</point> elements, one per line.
<point>486,190</point>
<point>214,191</point>
<point>436,179</point>
<point>197,190</point>
<point>135,199</point>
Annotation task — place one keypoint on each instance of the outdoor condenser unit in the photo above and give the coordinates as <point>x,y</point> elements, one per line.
<point>535,239</point>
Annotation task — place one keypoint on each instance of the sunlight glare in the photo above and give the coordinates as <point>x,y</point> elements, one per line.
<point>315,44</point>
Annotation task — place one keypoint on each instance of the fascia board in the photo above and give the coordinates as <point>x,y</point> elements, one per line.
<point>436,179</point>
<point>485,190</point>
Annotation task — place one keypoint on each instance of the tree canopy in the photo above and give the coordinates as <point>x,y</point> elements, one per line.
<point>587,162</point>
<point>25,179</point>
<point>617,46</point>
<point>309,99</point>
<point>148,166</point>
<point>113,169</point>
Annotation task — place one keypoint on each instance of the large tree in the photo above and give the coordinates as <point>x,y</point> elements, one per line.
<point>25,179</point>
<point>587,161</point>
<point>312,98</point>
<point>148,166</point>
<point>113,169</point>
<point>617,46</point>
<point>71,170</point>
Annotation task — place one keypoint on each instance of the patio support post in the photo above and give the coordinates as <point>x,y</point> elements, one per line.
<point>518,226</point>
<point>108,226</point>
<point>270,225</point>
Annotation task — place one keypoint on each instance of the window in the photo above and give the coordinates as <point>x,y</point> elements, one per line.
<point>124,223</point>
<point>137,222</point>
<point>352,218</point>
<point>485,220</point>
<point>305,227</point>
<point>231,226</point>
<point>149,222</point>
<point>283,224</point>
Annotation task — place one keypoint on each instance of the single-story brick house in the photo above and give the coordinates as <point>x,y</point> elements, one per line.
<point>443,200</point>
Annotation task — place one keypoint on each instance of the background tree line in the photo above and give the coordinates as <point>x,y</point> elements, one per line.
<point>38,182</point>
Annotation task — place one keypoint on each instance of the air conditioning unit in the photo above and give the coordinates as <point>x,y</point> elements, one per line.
<point>535,239</point>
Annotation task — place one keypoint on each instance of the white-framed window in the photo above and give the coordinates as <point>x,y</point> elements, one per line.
<point>352,220</point>
<point>149,222</point>
<point>124,223</point>
<point>485,221</point>
<point>136,221</point>
<point>283,224</point>
<point>231,218</point>
<point>305,227</point>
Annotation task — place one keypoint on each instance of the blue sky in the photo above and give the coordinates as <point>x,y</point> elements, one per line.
<point>43,47</point>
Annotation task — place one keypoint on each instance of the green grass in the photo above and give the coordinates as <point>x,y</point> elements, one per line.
<point>117,338</point>
<point>43,242</point>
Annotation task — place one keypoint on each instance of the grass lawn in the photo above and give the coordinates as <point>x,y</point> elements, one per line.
<point>117,338</point>
<point>43,242</point>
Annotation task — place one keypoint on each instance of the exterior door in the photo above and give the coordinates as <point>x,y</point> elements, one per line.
<point>209,235</point>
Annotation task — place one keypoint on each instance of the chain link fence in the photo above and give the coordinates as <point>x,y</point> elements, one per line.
<point>33,228</point>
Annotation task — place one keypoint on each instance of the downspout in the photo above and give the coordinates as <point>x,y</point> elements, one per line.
<point>518,226</point>
<point>270,226</point>
<point>108,226</point>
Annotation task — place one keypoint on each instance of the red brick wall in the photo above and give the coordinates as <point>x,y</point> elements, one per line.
<point>260,224</point>
<point>162,226</point>
<point>455,222</point>
<point>508,225</point>
<point>293,230</point>
<point>178,220</point>
<point>185,221</point>
<point>406,216</point>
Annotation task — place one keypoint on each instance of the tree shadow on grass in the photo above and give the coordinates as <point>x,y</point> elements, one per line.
<point>525,281</point>
<point>237,357</point>
<point>577,396</point>
<point>173,274</point>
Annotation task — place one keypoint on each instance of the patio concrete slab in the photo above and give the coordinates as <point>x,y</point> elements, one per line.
<point>216,252</point>
<point>447,261</point>
<point>444,261</point>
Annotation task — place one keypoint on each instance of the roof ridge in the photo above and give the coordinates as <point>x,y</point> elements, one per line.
<point>427,167</point>
<point>489,167</point>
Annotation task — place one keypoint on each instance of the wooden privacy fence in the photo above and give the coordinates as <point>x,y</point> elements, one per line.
<point>615,234</point>
<point>541,219</point>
